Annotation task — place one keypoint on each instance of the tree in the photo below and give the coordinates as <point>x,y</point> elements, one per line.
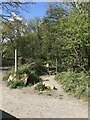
<point>62,36</point>
<point>16,7</point>
<point>53,35</point>
<point>68,37</point>
<point>78,36</point>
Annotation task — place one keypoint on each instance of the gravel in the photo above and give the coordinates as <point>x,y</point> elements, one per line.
<point>26,103</point>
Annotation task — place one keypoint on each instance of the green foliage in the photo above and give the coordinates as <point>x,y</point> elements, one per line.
<point>39,68</point>
<point>16,84</point>
<point>26,68</point>
<point>89,92</point>
<point>5,78</point>
<point>68,37</point>
<point>40,87</point>
<point>36,67</point>
<point>76,83</point>
<point>32,70</point>
<point>89,82</point>
<point>63,34</point>
<point>18,81</point>
<point>33,78</point>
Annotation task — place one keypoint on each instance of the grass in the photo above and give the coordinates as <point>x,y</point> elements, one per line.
<point>74,83</point>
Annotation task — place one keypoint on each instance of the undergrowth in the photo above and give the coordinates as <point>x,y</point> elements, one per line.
<point>30,70</point>
<point>41,87</point>
<point>75,83</point>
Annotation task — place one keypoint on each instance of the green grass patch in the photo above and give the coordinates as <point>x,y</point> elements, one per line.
<point>75,83</point>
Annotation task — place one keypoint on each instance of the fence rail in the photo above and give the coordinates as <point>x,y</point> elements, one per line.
<point>5,68</point>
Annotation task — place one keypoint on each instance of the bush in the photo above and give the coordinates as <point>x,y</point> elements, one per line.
<point>40,87</point>
<point>89,92</point>
<point>36,67</point>
<point>5,78</point>
<point>33,79</point>
<point>75,83</point>
<point>39,68</point>
<point>16,84</point>
<point>19,80</point>
<point>24,69</point>
<point>29,69</point>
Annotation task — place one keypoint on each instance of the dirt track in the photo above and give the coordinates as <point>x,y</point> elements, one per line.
<point>24,103</point>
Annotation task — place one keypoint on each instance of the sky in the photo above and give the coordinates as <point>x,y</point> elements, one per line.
<point>33,0</point>
<point>38,9</point>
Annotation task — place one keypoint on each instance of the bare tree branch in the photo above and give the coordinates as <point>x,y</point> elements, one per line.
<point>9,7</point>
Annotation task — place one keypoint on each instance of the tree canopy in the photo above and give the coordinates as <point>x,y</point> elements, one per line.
<point>63,34</point>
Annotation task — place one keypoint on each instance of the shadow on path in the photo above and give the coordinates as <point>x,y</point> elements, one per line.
<point>6,116</point>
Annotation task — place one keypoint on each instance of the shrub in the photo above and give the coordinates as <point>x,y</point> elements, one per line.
<point>40,87</point>
<point>33,78</point>
<point>81,91</point>
<point>5,78</point>
<point>36,67</point>
<point>23,69</point>
<point>89,92</point>
<point>39,68</point>
<point>76,83</point>
<point>16,84</point>
<point>89,82</point>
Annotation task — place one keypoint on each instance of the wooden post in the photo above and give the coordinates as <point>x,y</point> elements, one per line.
<point>47,65</point>
<point>15,60</point>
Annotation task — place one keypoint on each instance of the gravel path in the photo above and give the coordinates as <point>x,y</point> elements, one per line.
<point>24,103</point>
